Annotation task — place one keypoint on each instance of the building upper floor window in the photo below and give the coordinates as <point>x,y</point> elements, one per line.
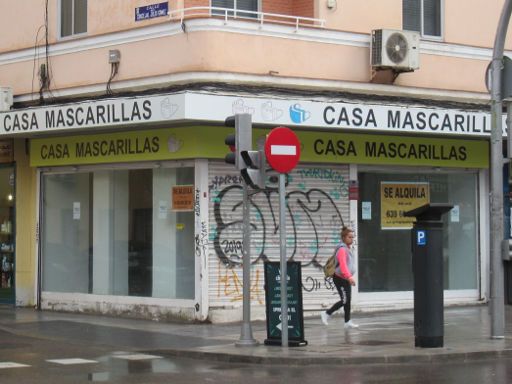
<point>424,16</point>
<point>238,5</point>
<point>73,17</point>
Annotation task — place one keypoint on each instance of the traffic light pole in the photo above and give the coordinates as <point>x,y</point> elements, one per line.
<point>496,180</point>
<point>240,144</point>
<point>246,338</point>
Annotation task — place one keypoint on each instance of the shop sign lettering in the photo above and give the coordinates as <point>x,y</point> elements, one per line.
<point>72,116</point>
<point>400,118</point>
<point>197,107</point>
<point>115,147</point>
<point>373,149</point>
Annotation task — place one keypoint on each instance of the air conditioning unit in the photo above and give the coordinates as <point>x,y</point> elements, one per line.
<point>5,98</point>
<point>394,49</point>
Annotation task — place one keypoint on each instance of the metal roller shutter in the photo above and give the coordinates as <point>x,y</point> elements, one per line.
<point>318,207</point>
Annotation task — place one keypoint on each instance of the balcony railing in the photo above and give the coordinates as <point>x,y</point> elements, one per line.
<point>235,14</point>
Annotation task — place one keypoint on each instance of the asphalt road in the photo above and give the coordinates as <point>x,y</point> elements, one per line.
<point>47,360</point>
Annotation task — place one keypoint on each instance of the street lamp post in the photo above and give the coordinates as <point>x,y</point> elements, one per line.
<point>496,180</point>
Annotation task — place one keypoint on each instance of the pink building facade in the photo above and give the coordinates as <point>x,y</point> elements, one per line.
<point>112,119</point>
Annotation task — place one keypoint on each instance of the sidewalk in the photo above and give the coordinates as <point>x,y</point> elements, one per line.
<point>386,337</point>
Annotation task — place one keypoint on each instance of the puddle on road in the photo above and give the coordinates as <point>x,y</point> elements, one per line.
<point>119,368</point>
<point>375,343</point>
<point>11,345</point>
<point>99,376</point>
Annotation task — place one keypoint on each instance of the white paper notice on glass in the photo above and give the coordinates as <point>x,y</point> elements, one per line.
<point>366,210</point>
<point>162,209</point>
<point>455,214</point>
<point>76,210</point>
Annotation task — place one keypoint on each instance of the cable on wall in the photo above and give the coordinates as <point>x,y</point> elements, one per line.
<point>45,73</point>
<point>114,58</point>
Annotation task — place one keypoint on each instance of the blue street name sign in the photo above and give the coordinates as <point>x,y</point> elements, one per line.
<point>151,11</point>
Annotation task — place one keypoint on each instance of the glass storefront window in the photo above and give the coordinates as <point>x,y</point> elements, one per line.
<point>7,234</point>
<point>385,263</point>
<point>119,232</point>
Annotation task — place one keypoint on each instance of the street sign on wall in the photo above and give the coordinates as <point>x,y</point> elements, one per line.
<point>151,11</point>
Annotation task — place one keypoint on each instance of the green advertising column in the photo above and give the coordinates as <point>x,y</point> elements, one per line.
<point>273,304</point>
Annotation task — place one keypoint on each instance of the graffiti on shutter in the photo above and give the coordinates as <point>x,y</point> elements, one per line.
<point>317,207</point>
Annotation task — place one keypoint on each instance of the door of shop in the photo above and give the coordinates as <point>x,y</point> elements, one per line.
<point>7,234</point>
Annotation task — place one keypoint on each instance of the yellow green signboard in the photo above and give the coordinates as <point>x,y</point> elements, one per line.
<point>208,142</point>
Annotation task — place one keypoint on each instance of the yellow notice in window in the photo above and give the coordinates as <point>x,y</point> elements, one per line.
<point>182,198</point>
<point>397,198</point>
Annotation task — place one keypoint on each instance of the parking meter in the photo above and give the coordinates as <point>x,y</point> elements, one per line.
<point>427,266</point>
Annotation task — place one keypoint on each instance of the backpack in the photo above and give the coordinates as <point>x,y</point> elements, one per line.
<point>330,265</point>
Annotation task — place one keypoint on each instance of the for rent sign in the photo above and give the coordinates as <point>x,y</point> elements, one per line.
<point>399,197</point>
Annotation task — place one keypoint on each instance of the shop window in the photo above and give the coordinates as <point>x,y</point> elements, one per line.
<point>119,232</point>
<point>73,17</point>
<point>237,6</point>
<point>423,16</point>
<point>7,235</point>
<point>385,263</point>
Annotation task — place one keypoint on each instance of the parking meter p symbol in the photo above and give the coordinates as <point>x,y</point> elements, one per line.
<point>421,237</point>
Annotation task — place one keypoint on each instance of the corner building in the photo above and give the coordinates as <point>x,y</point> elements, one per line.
<point>114,194</point>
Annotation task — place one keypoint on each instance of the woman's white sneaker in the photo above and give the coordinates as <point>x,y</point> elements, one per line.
<point>350,324</point>
<point>325,317</point>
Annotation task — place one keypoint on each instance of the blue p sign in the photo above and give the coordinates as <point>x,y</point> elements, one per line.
<point>421,237</point>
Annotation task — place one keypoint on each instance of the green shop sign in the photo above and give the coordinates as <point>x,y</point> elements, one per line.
<point>208,142</point>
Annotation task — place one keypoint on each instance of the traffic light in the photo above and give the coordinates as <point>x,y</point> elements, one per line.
<point>231,142</point>
<point>251,164</point>
<point>254,173</point>
<point>241,140</point>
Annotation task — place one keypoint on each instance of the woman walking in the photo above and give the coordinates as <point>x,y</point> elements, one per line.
<point>343,278</point>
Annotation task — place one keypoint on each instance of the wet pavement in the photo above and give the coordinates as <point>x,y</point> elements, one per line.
<point>382,338</point>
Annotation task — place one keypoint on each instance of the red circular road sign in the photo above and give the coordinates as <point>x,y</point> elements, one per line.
<point>282,149</point>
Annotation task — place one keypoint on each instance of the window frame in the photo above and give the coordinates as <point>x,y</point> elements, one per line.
<point>422,21</point>
<point>60,20</point>
<point>237,11</point>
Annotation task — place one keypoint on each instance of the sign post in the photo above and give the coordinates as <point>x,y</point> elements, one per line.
<point>282,149</point>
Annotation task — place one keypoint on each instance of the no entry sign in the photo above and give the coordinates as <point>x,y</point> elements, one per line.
<point>282,149</point>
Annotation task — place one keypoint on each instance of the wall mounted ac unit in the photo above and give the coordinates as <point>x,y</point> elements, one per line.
<point>397,50</point>
<point>5,98</point>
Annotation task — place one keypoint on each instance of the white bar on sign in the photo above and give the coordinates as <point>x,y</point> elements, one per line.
<point>283,150</point>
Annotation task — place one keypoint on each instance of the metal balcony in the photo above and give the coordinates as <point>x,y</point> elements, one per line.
<point>227,14</point>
